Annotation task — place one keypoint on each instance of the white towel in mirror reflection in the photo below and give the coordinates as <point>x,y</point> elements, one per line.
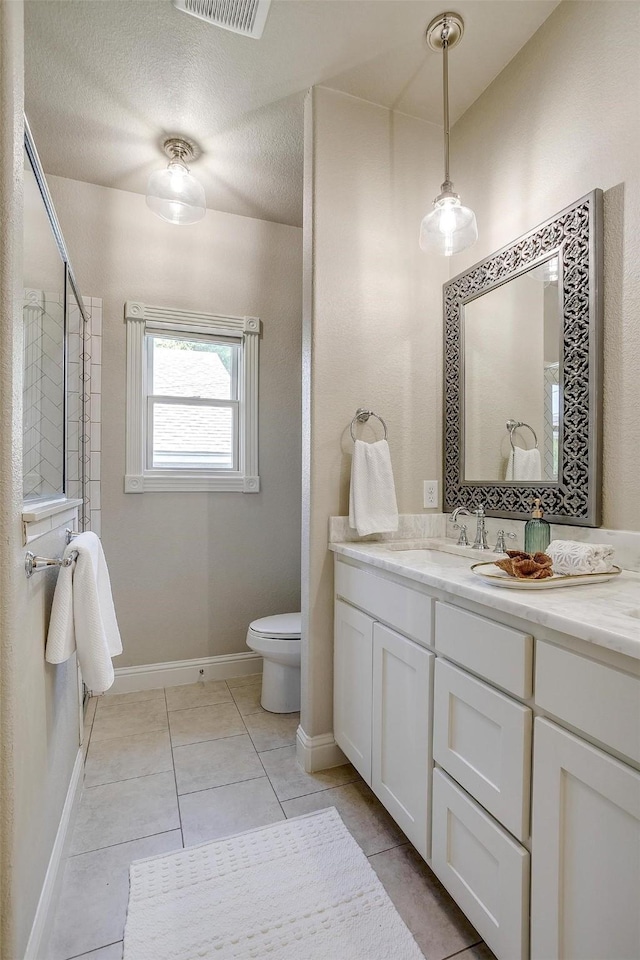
<point>524,465</point>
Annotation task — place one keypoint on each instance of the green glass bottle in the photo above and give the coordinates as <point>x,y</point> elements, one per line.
<point>537,532</point>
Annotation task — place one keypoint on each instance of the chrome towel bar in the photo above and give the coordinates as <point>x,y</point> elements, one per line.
<point>33,564</point>
<point>362,416</point>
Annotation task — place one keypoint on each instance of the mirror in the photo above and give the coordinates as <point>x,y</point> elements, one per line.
<point>512,342</point>
<point>44,347</point>
<point>523,373</point>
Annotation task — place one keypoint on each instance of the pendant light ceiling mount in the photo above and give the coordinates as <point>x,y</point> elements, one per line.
<point>181,149</point>
<point>450,22</point>
<point>450,227</point>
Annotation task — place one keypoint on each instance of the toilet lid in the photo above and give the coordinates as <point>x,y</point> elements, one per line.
<point>282,625</point>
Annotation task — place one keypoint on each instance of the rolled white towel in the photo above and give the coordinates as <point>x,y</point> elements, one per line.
<point>571,557</point>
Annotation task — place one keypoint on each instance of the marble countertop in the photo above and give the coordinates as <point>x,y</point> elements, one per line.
<point>602,614</point>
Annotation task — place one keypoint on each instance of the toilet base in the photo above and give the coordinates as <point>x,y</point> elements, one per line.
<point>280,687</point>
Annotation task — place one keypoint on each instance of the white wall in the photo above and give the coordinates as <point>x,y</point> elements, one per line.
<point>38,702</point>
<point>191,570</point>
<point>561,119</point>
<point>373,332</point>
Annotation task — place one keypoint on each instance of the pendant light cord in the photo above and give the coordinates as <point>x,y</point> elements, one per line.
<point>445,93</point>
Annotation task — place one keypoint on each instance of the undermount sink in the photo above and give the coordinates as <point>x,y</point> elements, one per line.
<point>432,550</point>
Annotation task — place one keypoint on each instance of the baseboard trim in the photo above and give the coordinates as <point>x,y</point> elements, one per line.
<point>43,920</point>
<point>176,672</point>
<point>318,753</point>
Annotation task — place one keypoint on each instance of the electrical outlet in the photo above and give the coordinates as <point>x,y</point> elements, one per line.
<point>430,494</point>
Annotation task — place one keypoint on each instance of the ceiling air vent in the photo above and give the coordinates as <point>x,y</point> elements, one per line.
<point>247,17</point>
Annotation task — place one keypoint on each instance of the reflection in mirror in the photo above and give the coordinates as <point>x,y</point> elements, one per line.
<point>512,342</point>
<point>44,353</point>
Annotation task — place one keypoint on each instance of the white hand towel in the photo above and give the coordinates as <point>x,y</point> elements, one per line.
<point>524,465</point>
<point>83,616</point>
<point>570,557</point>
<point>372,497</point>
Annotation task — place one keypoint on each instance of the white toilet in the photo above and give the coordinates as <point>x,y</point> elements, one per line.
<point>277,640</point>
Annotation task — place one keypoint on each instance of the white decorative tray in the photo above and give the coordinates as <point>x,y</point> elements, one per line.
<point>500,578</point>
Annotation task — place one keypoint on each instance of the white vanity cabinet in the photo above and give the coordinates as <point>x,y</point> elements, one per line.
<point>482,867</point>
<point>585,897</point>
<point>401,739</point>
<point>482,742</point>
<point>352,691</point>
<point>520,788</point>
<point>382,696</point>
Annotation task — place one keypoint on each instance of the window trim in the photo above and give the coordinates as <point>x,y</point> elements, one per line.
<point>141,319</point>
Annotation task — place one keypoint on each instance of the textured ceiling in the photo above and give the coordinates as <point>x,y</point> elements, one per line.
<point>107,80</point>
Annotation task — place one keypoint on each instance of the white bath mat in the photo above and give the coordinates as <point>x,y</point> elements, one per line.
<point>297,890</point>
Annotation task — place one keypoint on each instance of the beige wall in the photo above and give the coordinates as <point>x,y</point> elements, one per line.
<point>191,570</point>
<point>373,332</point>
<point>561,119</point>
<point>38,702</point>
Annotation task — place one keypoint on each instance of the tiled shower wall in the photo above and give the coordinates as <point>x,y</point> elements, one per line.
<point>84,423</point>
<point>43,317</point>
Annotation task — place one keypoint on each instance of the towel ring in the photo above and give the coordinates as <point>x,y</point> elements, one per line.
<point>513,425</point>
<point>362,416</point>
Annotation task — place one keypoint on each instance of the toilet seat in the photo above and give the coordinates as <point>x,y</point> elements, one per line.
<point>282,626</point>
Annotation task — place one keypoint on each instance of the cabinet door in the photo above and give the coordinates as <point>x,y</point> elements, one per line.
<point>585,851</point>
<point>483,739</point>
<point>352,666</point>
<point>483,868</point>
<point>401,752</point>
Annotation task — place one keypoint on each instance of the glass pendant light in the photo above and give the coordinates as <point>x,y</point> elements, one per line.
<point>174,194</point>
<point>450,227</point>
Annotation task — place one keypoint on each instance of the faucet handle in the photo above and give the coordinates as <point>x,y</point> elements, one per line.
<point>463,539</point>
<point>501,546</point>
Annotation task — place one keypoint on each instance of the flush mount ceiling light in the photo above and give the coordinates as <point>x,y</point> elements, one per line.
<point>174,194</point>
<point>450,227</point>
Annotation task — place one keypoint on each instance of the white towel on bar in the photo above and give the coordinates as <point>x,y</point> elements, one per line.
<point>524,465</point>
<point>83,617</point>
<point>372,497</point>
<point>573,556</point>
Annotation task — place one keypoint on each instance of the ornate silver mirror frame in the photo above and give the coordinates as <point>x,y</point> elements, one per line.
<point>575,235</point>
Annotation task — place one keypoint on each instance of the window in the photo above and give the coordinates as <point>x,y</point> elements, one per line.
<point>192,388</point>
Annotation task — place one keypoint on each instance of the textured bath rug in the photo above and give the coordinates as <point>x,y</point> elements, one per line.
<point>297,890</point>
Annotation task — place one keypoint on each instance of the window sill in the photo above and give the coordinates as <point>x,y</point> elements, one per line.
<point>185,481</point>
<point>41,518</point>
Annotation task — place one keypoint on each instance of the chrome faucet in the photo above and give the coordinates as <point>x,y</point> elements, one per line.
<point>463,540</point>
<point>480,542</point>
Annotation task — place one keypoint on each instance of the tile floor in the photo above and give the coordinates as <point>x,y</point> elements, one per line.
<point>178,766</point>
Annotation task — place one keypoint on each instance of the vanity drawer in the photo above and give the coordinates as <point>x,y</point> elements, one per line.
<point>490,649</point>
<point>483,739</point>
<point>594,698</point>
<point>482,867</point>
<point>407,610</point>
